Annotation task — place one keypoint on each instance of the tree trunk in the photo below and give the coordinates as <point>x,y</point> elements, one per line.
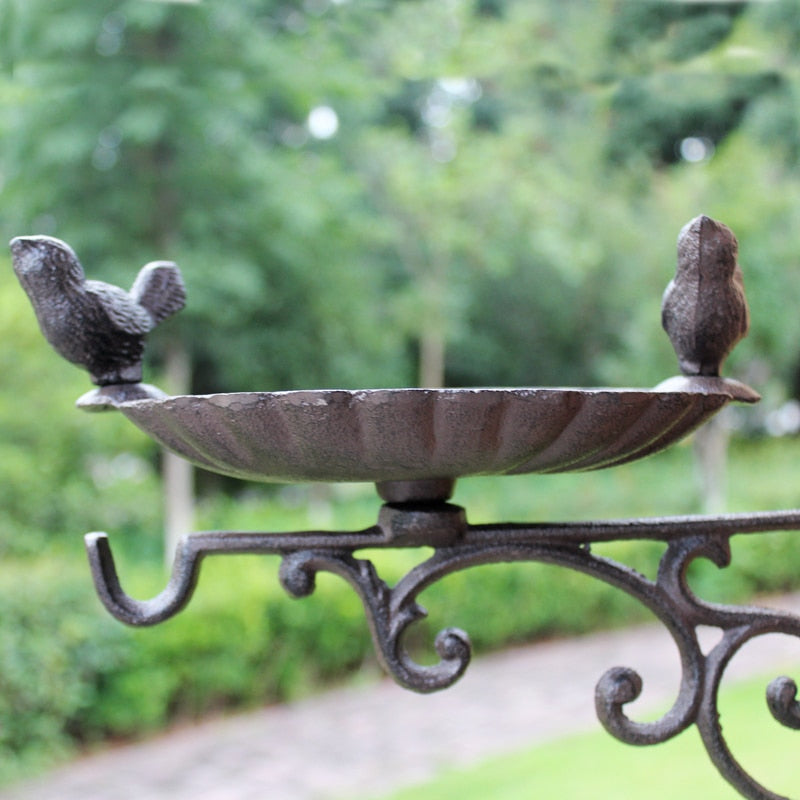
<point>711,453</point>
<point>177,473</point>
<point>433,330</point>
<point>431,358</point>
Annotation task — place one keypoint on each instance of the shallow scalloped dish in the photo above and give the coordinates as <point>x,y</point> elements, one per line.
<point>422,434</point>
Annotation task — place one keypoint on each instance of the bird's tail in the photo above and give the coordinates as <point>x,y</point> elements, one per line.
<point>159,289</point>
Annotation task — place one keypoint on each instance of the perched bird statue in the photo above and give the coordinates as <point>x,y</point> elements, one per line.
<point>704,309</point>
<point>90,323</point>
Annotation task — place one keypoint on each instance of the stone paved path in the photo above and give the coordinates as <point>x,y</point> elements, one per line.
<point>365,741</point>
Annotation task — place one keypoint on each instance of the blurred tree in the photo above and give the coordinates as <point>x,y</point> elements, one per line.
<point>490,190</point>
<point>151,130</point>
<point>180,131</point>
<point>654,115</point>
<point>470,167</point>
<point>644,32</point>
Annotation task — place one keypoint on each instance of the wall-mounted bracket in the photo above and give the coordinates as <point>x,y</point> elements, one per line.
<point>458,545</point>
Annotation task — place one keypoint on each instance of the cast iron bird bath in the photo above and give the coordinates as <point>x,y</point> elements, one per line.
<point>414,444</point>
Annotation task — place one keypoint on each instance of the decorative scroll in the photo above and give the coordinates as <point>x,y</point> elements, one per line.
<point>389,613</point>
<point>391,610</point>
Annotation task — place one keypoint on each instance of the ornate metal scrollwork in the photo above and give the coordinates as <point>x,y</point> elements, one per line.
<point>391,610</point>
<point>389,613</point>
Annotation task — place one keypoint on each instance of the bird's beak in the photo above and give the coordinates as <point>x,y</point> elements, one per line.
<point>20,244</point>
<point>24,255</point>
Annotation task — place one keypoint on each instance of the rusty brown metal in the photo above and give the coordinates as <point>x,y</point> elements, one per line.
<point>94,324</point>
<point>411,435</point>
<point>415,443</point>
<point>704,309</point>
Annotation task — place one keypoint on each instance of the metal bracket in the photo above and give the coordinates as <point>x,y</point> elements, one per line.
<point>458,545</point>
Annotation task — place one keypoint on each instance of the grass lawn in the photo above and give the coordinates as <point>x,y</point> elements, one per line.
<point>597,766</point>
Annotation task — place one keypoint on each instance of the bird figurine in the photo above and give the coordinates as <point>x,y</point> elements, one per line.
<point>704,309</point>
<point>90,323</point>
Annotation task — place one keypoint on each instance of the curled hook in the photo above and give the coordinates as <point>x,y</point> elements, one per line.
<point>620,685</point>
<point>782,702</point>
<point>140,613</point>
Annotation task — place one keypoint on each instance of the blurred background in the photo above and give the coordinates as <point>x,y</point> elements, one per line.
<point>370,194</point>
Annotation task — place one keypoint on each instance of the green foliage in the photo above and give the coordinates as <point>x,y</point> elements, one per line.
<point>646,30</point>
<point>71,675</point>
<point>651,115</point>
<point>54,649</point>
<point>329,262</point>
<point>177,131</point>
<point>782,21</point>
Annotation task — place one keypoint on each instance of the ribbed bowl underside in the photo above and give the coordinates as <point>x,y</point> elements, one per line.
<point>413,434</point>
